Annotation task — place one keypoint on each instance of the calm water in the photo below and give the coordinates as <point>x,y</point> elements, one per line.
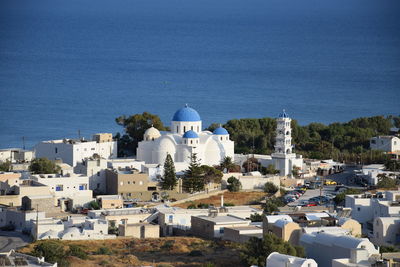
<point>69,65</point>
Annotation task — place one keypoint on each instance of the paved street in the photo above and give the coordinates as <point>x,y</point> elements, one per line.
<point>12,240</point>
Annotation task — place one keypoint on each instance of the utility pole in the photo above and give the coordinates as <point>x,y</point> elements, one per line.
<point>79,134</point>
<point>37,221</point>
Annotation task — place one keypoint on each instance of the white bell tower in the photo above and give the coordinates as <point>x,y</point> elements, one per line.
<point>284,159</point>
<point>283,143</point>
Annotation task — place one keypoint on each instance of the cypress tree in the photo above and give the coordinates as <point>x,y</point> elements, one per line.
<point>194,179</point>
<point>169,181</point>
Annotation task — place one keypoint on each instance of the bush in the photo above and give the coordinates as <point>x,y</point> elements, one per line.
<point>164,265</point>
<point>389,249</point>
<point>203,206</point>
<point>196,253</point>
<point>255,251</point>
<point>234,185</point>
<point>104,251</point>
<point>270,188</point>
<point>77,251</point>
<point>208,264</point>
<point>52,251</point>
<point>272,205</point>
<point>94,205</point>
<point>227,204</point>
<point>192,206</point>
<point>168,245</point>
<point>256,217</point>
<point>339,198</point>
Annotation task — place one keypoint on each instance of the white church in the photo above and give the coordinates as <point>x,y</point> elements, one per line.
<point>185,138</point>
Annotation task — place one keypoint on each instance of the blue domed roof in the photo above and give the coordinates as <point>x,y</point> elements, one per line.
<point>190,134</point>
<point>283,115</point>
<point>220,131</point>
<point>186,114</point>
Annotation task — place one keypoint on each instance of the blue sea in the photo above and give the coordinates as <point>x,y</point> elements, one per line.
<point>78,64</point>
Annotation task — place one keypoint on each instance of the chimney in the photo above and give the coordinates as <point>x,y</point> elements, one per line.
<point>222,200</point>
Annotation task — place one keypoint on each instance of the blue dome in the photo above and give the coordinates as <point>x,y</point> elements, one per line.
<point>283,115</point>
<point>190,134</point>
<point>186,114</point>
<point>220,131</point>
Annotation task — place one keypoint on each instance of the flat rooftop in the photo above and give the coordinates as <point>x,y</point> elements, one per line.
<point>225,219</point>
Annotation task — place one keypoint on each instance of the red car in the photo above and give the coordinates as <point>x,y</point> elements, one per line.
<point>310,204</point>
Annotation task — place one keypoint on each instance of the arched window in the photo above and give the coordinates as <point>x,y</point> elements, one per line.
<point>287,133</point>
<point>177,129</point>
<point>191,128</point>
<point>221,138</point>
<point>191,141</point>
<point>198,129</point>
<point>184,129</point>
<point>288,151</point>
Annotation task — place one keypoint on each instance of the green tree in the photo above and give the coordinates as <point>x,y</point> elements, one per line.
<point>193,180</point>
<point>270,188</point>
<point>43,166</point>
<point>385,181</point>
<point>272,205</point>
<point>340,198</point>
<point>94,205</point>
<point>295,171</point>
<point>5,166</point>
<point>388,249</point>
<point>270,169</point>
<point>53,251</point>
<point>227,164</point>
<point>392,165</point>
<point>256,250</point>
<point>234,185</point>
<point>256,217</point>
<point>168,180</point>
<point>135,126</point>
<point>211,174</point>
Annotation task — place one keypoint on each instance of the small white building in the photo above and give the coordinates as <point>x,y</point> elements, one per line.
<point>16,155</point>
<point>386,231</point>
<point>20,219</point>
<point>323,247</point>
<point>19,259</point>
<point>66,188</point>
<point>72,151</point>
<point>75,228</point>
<point>95,169</point>
<point>276,259</point>
<point>385,143</point>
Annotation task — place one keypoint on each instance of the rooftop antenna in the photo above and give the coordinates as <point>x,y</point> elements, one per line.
<point>79,134</point>
<point>23,142</point>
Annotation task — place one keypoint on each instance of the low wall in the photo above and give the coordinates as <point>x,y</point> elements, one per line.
<point>199,196</point>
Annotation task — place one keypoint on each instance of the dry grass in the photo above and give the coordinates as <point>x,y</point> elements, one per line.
<point>236,198</point>
<point>170,250</point>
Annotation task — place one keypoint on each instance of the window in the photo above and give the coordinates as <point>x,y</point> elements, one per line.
<point>221,230</point>
<point>191,141</point>
<point>98,173</point>
<point>170,218</point>
<point>82,187</point>
<point>358,209</point>
<point>198,129</point>
<point>129,182</point>
<point>184,129</point>
<point>129,194</point>
<point>177,128</point>
<point>98,185</point>
<point>56,150</point>
<point>59,187</point>
<point>92,148</point>
<point>85,149</point>
<point>191,128</point>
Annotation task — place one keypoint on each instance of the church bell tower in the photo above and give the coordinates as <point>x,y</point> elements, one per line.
<point>283,143</point>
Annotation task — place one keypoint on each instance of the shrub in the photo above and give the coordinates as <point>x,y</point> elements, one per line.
<point>168,244</point>
<point>192,206</point>
<point>104,251</point>
<point>196,253</point>
<point>52,251</point>
<point>270,188</point>
<point>77,251</point>
<point>94,205</point>
<point>234,185</point>
<point>227,204</point>
<point>208,264</point>
<point>256,217</point>
<point>203,206</point>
